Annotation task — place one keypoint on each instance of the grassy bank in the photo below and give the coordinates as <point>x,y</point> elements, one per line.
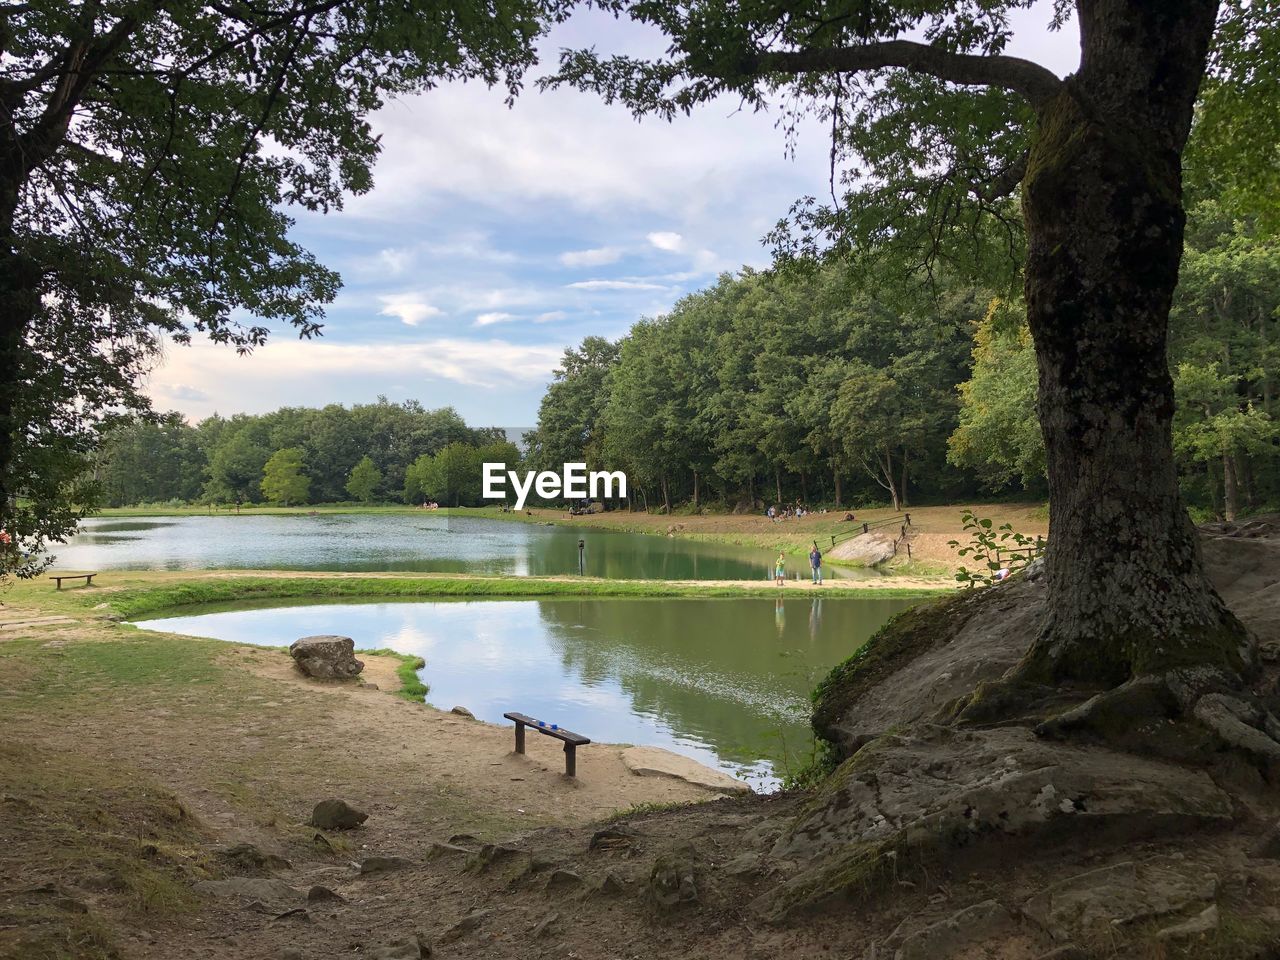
<point>411,686</point>
<point>133,595</point>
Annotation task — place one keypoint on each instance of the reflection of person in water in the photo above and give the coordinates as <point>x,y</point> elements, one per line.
<point>815,618</point>
<point>779,616</point>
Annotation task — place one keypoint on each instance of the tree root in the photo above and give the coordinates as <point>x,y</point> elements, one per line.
<point>1193,715</point>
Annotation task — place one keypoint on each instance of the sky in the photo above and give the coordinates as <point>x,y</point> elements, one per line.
<point>496,237</point>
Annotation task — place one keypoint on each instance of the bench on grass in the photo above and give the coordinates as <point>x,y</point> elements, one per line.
<point>86,577</point>
<point>571,740</point>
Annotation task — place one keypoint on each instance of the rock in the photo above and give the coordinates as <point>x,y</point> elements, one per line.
<point>326,657</point>
<point>612,884</point>
<point>248,857</point>
<point>744,864</point>
<point>1119,894</point>
<point>562,881</point>
<point>412,947</point>
<point>297,913</point>
<point>867,549</point>
<point>656,762</point>
<point>439,850</point>
<point>463,712</point>
<point>375,865</point>
<point>673,882</point>
<point>1206,921</point>
<point>337,815</point>
<point>936,786</point>
<point>543,926</point>
<point>969,927</point>
<point>250,888</point>
<point>1268,847</point>
<point>319,894</point>
<point>461,838</point>
<point>468,924</point>
<point>370,686</point>
<point>493,855</point>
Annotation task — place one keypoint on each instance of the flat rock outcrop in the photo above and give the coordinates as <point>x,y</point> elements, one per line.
<point>656,762</point>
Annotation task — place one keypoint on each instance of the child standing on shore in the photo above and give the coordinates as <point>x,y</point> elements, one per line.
<point>780,568</point>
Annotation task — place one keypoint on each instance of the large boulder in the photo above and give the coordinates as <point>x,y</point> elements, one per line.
<point>326,657</point>
<point>866,549</point>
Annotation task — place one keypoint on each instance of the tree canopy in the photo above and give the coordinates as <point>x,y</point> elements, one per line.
<point>147,164</point>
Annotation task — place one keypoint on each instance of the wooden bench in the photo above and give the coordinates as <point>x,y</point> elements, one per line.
<point>571,740</point>
<point>86,577</point>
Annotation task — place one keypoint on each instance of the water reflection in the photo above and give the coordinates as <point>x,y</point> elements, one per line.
<point>726,682</point>
<point>394,542</point>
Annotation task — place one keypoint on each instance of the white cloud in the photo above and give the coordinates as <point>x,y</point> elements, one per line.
<point>410,308</point>
<point>616,285</point>
<point>396,261</point>
<point>205,377</point>
<point>497,316</point>
<point>551,316</point>
<point>591,258</point>
<point>667,240</point>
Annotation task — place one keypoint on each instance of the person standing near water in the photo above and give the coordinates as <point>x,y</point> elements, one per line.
<point>815,562</point>
<point>780,568</point>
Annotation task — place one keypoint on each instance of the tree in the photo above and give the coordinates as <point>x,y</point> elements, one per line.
<point>1095,160</point>
<point>236,469</point>
<point>364,480</point>
<point>148,156</point>
<point>283,480</point>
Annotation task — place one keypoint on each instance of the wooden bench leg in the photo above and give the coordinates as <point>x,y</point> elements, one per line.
<point>519,738</point>
<point>570,760</point>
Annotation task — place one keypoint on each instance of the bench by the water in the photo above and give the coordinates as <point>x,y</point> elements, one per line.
<point>86,577</point>
<point>571,740</point>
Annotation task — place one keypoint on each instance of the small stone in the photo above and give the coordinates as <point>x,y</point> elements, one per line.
<point>563,880</point>
<point>1268,848</point>
<point>1206,921</point>
<point>543,926</point>
<point>371,686</point>
<point>376,865</point>
<point>463,712</point>
<point>468,924</point>
<point>337,815</point>
<point>247,856</point>
<point>319,894</point>
<point>414,947</point>
<point>673,883</point>
<point>438,851</point>
<point>612,884</point>
<point>297,913</point>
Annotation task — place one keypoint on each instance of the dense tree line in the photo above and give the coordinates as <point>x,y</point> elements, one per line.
<point>777,387</point>
<point>368,452</point>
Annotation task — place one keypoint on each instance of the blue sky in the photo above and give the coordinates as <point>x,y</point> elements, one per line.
<point>496,237</point>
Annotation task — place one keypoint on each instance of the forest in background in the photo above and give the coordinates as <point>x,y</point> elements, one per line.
<point>821,386</point>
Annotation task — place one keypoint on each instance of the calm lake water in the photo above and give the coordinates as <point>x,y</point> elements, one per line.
<point>434,543</point>
<point>725,681</point>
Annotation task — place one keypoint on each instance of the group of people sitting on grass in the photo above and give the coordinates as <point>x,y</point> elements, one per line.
<point>786,512</point>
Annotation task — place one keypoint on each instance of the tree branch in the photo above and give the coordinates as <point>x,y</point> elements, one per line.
<point>1032,81</point>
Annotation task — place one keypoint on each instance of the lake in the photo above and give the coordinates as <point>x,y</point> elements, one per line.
<point>409,542</point>
<point>725,681</point>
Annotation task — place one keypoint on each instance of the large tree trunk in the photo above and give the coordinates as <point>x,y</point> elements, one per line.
<point>835,475</point>
<point>1102,201</point>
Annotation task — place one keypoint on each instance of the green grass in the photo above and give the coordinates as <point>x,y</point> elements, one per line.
<point>147,600</point>
<point>411,686</point>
